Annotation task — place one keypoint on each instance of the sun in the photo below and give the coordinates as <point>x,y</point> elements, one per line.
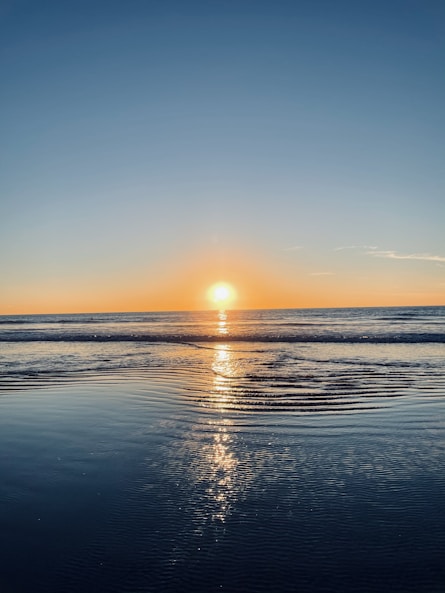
<point>221,294</point>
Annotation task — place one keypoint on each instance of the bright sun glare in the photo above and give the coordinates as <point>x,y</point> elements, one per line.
<point>221,294</point>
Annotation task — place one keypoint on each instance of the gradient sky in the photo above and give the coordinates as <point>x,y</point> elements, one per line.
<point>151,148</point>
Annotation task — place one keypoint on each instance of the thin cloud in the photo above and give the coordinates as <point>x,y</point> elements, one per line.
<point>345,247</point>
<point>294,248</point>
<point>409,256</point>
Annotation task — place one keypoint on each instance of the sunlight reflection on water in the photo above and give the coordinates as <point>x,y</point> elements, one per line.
<point>223,368</point>
<point>221,472</point>
<point>222,328</point>
<point>222,461</point>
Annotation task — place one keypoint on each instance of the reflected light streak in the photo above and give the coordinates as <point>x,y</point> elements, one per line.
<point>220,466</point>
<point>222,462</point>
<point>222,328</point>
<point>223,369</point>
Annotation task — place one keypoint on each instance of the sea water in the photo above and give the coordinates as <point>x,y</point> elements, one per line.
<point>239,451</point>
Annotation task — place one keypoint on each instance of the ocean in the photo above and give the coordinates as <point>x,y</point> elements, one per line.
<point>242,451</point>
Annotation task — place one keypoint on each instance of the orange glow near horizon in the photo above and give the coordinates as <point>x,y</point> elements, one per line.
<point>217,278</point>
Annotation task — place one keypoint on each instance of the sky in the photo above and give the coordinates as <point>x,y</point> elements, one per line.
<point>151,148</point>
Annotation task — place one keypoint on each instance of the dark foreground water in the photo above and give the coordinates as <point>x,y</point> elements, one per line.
<point>298,451</point>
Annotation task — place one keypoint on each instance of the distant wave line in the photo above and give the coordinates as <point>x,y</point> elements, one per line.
<point>406,338</point>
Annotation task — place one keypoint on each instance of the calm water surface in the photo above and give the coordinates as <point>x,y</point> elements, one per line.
<point>298,451</point>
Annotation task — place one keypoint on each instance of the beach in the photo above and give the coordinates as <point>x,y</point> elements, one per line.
<point>277,451</point>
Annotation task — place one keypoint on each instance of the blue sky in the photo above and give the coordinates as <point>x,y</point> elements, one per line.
<point>136,135</point>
